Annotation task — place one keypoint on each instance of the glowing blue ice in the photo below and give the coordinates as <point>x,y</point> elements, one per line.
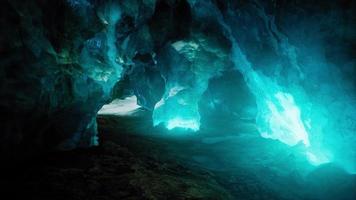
<point>278,115</point>
<point>317,158</point>
<point>191,124</point>
<point>285,122</point>
<point>191,64</point>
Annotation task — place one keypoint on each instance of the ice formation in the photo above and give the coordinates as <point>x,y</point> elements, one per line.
<point>288,65</point>
<point>100,55</point>
<point>191,64</point>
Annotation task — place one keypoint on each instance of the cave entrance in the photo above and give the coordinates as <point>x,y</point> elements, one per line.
<point>121,107</point>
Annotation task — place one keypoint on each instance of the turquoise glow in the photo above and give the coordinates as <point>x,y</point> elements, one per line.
<point>182,123</point>
<point>179,106</point>
<point>317,158</point>
<point>301,99</point>
<point>309,103</point>
<point>179,109</point>
<point>285,121</point>
<point>279,117</point>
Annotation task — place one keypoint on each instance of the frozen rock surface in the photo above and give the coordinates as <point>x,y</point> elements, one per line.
<point>139,163</point>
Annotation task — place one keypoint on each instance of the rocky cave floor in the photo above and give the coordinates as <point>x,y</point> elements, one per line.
<point>135,161</point>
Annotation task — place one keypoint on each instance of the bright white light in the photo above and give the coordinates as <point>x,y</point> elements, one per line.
<point>182,123</point>
<point>285,121</point>
<point>317,159</point>
<point>120,107</point>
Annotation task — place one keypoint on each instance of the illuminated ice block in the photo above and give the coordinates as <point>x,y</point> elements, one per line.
<point>188,66</point>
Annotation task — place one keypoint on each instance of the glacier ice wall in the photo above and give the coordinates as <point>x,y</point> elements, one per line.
<point>299,82</point>
<point>298,89</point>
<point>60,62</point>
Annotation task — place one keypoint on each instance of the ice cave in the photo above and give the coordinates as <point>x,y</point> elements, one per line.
<point>178,99</point>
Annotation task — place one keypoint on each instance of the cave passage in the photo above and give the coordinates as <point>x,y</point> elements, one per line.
<point>288,108</point>
<point>178,99</point>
